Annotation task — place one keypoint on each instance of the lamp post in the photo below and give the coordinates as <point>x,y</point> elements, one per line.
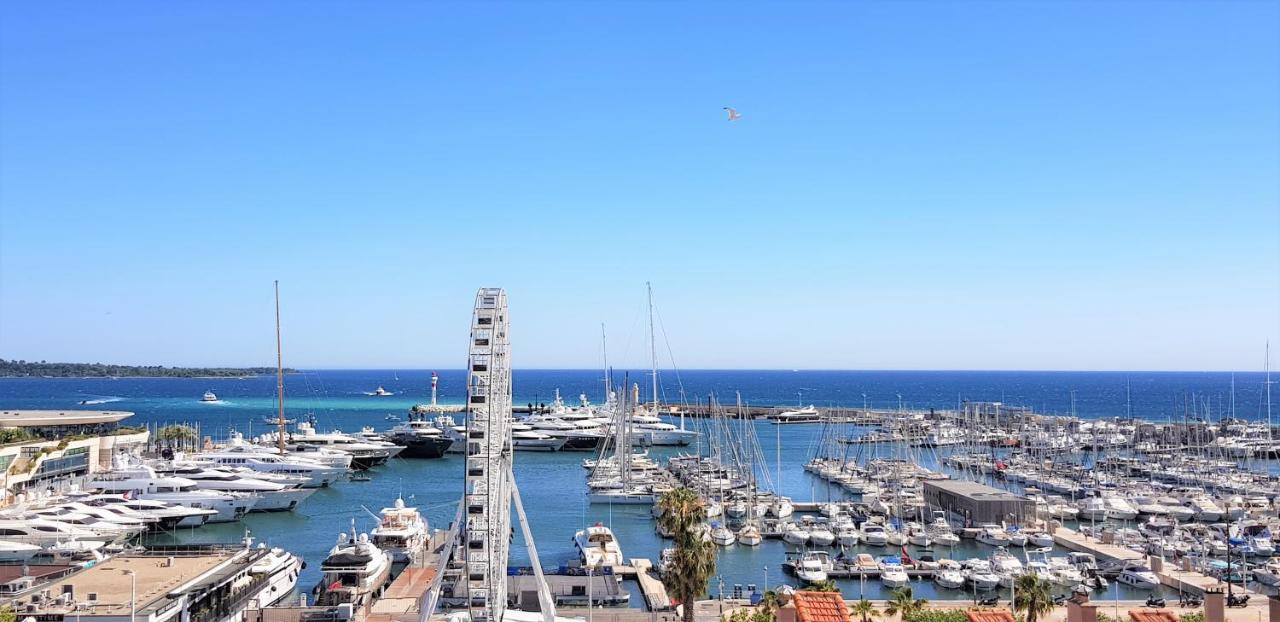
<point>133,593</point>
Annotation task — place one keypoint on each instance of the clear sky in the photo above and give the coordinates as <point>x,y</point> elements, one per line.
<point>912,185</point>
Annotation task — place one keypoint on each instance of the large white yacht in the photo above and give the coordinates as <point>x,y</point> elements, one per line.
<point>268,460</point>
<point>354,573</point>
<point>272,496</point>
<point>652,430</point>
<point>598,547</point>
<point>142,482</point>
<point>584,434</point>
<point>402,532</point>
<point>281,569</point>
<point>43,531</point>
<point>167,515</point>
<point>807,414</point>
<point>363,454</point>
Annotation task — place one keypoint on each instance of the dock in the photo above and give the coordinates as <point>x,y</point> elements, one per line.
<point>1182,579</point>
<point>404,594</point>
<point>655,593</point>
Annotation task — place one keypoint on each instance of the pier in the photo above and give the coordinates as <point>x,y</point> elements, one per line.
<point>1181,579</point>
<point>655,593</point>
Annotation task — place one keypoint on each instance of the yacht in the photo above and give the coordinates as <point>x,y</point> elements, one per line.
<point>808,414</point>
<point>313,474</point>
<point>949,578</point>
<point>874,534</point>
<point>584,434</point>
<point>979,574</point>
<point>847,535</point>
<point>381,392</point>
<point>209,397</point>
<point>422,438</point>
<point>402,532</point>
<point>652,430</point>
<point>892,574</point>
<point>722,535</point>
<point>354,573</point>
<point>819,535</point>
<point>142,482</point>
<point>280,569</point>
<point>364,455</point>
<point>525,438</point>
<point>43,531</point>
<point>168,515</point>
<point>17,551</point>
<point>993,535</point>
<point>598,547</point>
<point>272,496</point>
<point>813,567</point>
<point>108,530</point>
<point>1138,576</point>
<point>796,534</point>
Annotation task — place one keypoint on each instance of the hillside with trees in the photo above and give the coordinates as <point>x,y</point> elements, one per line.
<point>37,369</point>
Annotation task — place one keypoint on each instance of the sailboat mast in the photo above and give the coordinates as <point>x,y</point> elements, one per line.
<point>279,375</point>
<point>604,356</point>
<point>1266,365</point>
<point>653,349</point>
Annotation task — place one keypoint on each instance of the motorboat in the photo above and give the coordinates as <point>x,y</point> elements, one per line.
<point>847,535</point>
<point>381,392</point>
<point>17,551</point>
<point>796,534</point>
<point>819,535</point>
<point>364,454</point>
<point>354,573</point>
<point>807,414</point>
<point>42,531</point>
<point>402,533</point>
<point>209,397</point>
<point>652,430</point>
<point>949,578</point>
<point>525,438</point>
<point>874,534</point>
<point>1138,576</point>
<point>597,546</point>
<point>167,515</point>
<point>1040,539</point>
<point>812,567</point>
<point>425,439</point>
<point>979,574</point>
<point>272,496</point>
<point>584,434</point>
<point>993,535</point>
<point>892,573</point>
<point>781,507</point>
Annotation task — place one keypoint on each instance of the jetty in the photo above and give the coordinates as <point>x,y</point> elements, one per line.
<point>1182,579</point>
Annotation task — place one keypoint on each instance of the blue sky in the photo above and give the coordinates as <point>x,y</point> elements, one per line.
<point>917,185</point>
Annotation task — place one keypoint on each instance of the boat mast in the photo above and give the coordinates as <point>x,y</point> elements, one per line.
<point>653,349</point>
<point>279,376</point>
<point>604,356</point>
<point>1266,366</point>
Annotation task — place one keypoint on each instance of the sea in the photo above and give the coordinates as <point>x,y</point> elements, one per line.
<point>552,485</point>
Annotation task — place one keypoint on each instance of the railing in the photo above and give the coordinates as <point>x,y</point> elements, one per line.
<point>230,604</point>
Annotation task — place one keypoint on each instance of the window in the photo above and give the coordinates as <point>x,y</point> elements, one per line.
<point>482,342</point>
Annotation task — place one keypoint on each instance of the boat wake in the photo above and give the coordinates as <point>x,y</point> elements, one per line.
<point>100,400</point>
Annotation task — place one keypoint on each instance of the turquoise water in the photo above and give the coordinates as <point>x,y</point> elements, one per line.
<point>553,485</point>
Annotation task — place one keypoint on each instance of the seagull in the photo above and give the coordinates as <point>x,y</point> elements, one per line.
<point>733,114</point>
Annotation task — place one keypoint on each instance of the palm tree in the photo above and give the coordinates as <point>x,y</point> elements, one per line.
<point>771,601</point>
<point>904,604</point>
<point>1033,597</point>
<point>681,512</point>
<point>864,609</point>
<point>177,433</point>
<point>825,585</point>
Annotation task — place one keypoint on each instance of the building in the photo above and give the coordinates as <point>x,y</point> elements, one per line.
<point>55,445</point>
<point>208,585</point>
<point>972,503</point>
<point>815,607</point>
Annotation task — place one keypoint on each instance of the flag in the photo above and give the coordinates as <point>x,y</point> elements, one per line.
<point>335,585</point>
<point>905,557</point>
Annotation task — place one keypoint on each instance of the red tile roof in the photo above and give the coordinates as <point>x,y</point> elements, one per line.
<point>1152,615</point>
<point>989,615</point>
<point>820,607</point>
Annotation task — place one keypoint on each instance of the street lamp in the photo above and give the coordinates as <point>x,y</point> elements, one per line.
<point>133,593</point>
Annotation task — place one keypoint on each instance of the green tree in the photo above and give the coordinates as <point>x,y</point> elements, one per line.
<point>680,513</point>
<point>178,433</point>
<point>864,610</point>
<point>1194,616</point>
<point>7,614</point>
<point>904,603</point>
<point>1032,597</point>
<point>825,585</point>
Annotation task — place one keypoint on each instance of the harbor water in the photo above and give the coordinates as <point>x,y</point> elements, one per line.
<point>553,484</point>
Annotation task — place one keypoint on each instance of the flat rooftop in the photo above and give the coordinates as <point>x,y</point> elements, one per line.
<point>157,577</point>
<point>45,418</point>
<point>973,490</point>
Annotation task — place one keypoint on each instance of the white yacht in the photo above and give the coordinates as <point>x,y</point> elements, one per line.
<point>272,496</point>
<point>17,551</point>
<point>979,574</point>
<point>167,515</point>
<point>402,532</point>
<point>808,414</point>
<point>949,578</point>
<point>364,454</point>
<point>584,434</point>
<point>354,573</point>
<point>796,534</point>
<point>42,531</point>
<point>268,460</point>
<point>892,574</point>
<point>813,567</point>
<point>652,430</point>
<point>993,535</point>
<point>819,535</point>
<point>874,534</point>
<point>209,397</point>
<point>280,568</point>
<point>141,481</point>
<point>111,531</point>
<point>525,438</point>
<point>598,547</point>
<point>1139,576</point>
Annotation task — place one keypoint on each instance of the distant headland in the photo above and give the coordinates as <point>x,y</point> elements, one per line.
<point>44,369</point>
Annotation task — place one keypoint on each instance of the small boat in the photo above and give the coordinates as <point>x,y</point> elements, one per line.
<point>813,567</point>
<point>209,397</point>
<point>381,392</point>
<point>360,477</point>
<point>392,417</point>
<point>597,547</point>
<point>892,574</point>
<point>749,535</point>
<point>722,535</point>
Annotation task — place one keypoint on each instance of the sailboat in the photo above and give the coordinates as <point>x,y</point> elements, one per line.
<point>649,428</point>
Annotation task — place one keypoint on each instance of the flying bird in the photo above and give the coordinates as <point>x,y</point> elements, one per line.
<point>733,114</point>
